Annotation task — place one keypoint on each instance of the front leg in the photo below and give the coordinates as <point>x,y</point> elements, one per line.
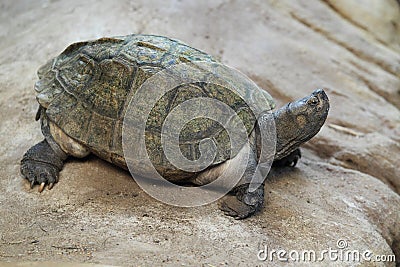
<point>241,201</point>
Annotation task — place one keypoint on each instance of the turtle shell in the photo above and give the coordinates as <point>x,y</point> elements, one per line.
<point>87,88</point>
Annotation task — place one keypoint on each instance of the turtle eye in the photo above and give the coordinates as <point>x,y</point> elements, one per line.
<point>313,101</point>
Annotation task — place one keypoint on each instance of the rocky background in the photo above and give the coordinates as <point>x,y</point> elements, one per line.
<point>346,187</point>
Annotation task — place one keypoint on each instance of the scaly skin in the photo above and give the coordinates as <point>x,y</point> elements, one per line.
<point>41,165</point>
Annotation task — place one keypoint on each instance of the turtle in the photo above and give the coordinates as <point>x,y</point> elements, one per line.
<point>83,95</point>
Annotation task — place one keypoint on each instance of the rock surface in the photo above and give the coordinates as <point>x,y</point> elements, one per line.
<point>346,187</point>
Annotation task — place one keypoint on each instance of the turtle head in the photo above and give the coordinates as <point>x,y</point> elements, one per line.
<point>297,122</point>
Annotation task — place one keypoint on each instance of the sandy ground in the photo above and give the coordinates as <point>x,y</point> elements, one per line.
<point>97,214</point>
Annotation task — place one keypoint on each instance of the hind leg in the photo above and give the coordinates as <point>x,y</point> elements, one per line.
<point>41,165</point>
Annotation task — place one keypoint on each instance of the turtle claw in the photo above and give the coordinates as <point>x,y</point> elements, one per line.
<point>41,187</point>
<point>227,210</point>
<point>50,186</point>
<point>41,165</point>
<point>39,173</point>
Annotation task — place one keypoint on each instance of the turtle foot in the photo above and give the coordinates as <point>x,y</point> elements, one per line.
<point>244,203</point>
<point>41,165</point>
